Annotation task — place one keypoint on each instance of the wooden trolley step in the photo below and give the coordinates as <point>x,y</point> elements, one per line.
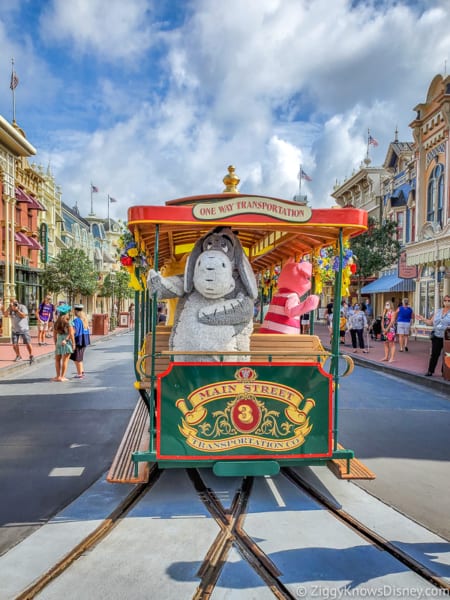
<point>136,437</point>
<point>357,469</point>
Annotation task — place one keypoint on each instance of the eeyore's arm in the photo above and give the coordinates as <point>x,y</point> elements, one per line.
<point>228,312</point>
<point>165,287</point>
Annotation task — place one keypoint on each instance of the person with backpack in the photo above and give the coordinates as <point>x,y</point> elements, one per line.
<point>82,339</point>
<point>357,322</point>
<point>44,314</point>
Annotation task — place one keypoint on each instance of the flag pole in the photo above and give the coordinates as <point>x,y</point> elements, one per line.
<point>109,220</point>
<point>92,201</point>
<point>300,184</point>
<point>13,89</point>
<point>368,138</point>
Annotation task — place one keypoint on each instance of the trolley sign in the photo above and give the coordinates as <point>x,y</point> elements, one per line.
<point>244,410</point>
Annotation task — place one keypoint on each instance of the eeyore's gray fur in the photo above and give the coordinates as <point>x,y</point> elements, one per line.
<point>215,310</point>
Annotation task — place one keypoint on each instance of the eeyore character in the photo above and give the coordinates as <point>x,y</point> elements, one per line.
<point>216,298</point>
<point>286,308</point>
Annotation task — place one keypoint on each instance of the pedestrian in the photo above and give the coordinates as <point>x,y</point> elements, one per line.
<point>367,309</point>
<point>162,316</point>
<point>20,328</point>
<point>304,324</point>
<point>342,327</point>
<point>131,315</point>
<point>1,316</point>
<point>63,336</point>
<point>44,315</point>
<point>440,321</point>
<point>82,339</point>
<point>404,316</point>
<point>343,321</point>
<point>357,323</point>
<point>388,332</point>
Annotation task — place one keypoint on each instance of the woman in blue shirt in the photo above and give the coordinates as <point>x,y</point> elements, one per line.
<point>404,316</point>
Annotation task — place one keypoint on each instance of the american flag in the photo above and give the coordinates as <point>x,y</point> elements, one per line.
<point>372,141</point>
<point>14,81</point>
<point>304,176</point>
<point>94,188</point>
<point>112,199</point>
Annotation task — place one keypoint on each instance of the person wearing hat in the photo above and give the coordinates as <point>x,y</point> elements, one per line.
<point>82,339</point>
<point>63,336</point>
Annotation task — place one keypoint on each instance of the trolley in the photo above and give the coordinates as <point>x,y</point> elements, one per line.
<point>278,403</point>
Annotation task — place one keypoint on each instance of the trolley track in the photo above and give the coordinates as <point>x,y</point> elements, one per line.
<point>94,538</point>
<point>232,534</point>
<point>369,534</point>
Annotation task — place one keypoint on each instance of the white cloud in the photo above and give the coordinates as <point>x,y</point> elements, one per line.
<point>112,29</point>
<point>149,106</point>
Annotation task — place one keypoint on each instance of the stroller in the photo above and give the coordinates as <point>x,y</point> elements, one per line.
<point>375,329</point>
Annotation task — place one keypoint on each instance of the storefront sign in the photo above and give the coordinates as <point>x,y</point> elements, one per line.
<point>406,271</point>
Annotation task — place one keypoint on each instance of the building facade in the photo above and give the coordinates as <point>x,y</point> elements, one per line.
<point>412,188</point>
<point>429,250</point>
<point>35,225</point>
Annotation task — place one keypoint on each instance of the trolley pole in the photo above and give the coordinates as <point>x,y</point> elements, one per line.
<point>154,318</point>
<point>335,340</point>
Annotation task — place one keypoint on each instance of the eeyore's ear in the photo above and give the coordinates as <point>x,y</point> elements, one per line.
<point>190,265</point>
<point>245,270</point>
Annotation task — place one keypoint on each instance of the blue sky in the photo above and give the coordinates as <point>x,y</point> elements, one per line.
<point>152,99</point>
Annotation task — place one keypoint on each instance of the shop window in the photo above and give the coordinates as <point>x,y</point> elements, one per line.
<point>400,227</point>
<point>435,195</point>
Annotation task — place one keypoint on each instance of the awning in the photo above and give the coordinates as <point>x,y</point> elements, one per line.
<point>36,245</point>
<point>389,283</point>
<point>59,242</point>
<point>22,196</point>
<point>22,240</point>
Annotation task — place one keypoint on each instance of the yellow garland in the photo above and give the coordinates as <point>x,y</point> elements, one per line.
<point>134,281</point>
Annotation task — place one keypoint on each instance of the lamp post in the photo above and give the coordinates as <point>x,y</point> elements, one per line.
<point>112,279</point>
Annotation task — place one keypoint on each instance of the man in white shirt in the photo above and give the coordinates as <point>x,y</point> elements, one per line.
<point>19,328</point>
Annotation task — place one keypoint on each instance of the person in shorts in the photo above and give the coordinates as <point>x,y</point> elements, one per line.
<point>82,339</point>
<point>20,328</point>
<point>44,315</point>
<point>404,316</point>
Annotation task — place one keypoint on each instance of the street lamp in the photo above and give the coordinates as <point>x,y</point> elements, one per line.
<point>112,279</point>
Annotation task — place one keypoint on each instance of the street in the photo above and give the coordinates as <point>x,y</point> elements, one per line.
<point>400,431</point>
<point>58,439</point>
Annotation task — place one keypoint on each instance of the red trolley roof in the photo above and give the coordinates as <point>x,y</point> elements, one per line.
<point>270,229</point>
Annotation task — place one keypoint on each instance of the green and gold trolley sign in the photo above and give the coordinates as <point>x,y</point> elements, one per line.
<point>244,411</point>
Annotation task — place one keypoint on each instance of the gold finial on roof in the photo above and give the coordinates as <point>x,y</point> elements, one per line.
<point>231,181</point>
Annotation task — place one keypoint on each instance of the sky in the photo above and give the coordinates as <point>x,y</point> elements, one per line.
<point>151,100</point>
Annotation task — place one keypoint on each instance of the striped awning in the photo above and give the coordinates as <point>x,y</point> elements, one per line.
<point>389,283</point>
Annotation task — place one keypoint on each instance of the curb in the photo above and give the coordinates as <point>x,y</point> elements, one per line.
<point>439,385</point>
<point>23,364</point>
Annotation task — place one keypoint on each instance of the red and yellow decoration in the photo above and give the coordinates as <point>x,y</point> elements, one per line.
<point>134,259</point>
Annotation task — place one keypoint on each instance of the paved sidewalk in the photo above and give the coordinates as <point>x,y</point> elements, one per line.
<point>7,354</point>
<point>411,365</point>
